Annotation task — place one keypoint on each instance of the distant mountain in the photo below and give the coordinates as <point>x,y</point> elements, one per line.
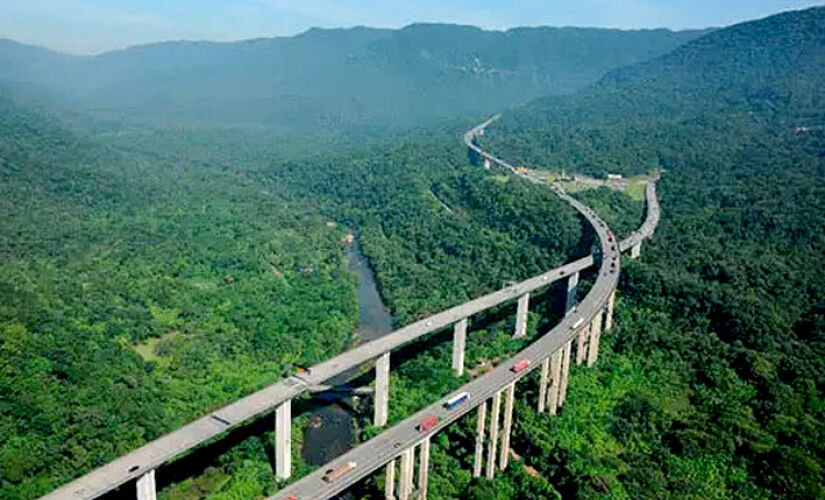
<point>338,77</point>
<point>770,70</point>
<point>771,64</point>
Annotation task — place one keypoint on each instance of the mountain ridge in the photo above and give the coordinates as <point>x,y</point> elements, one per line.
<point>419,74</point>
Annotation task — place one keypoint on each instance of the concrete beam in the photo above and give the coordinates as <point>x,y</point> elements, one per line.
<point>572,292</point>
<point>608,317</point>
<point>423,468</point>
<point>479,457</point>
<point>493,438</point>
<point>283,440</point>
<point>459,343</point>
<point>595,335</point>
<point>504,456</point>
<point>382,390</point>
<point>555,382</point>
<point>521,316</point>
<point>146,488</point>
<point>636,250</point>
<point>545,374</point>
<point>581,347</point>
<point>389,481</point>
<point>405,486</point>
<point>341,390</point>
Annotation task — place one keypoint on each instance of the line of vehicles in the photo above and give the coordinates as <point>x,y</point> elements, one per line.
<point>424,425</point>
<point>427,423</point>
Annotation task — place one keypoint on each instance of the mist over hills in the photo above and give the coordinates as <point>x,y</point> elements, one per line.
<point>771,64</point>
<point>333,77</point>
<point>771,70</point>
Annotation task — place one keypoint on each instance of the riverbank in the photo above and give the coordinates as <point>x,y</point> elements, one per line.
<point>330,430</point>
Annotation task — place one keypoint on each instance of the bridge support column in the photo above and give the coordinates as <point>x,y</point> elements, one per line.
<point>493,442</point>
<point>565,372</point>
<point>146,489</point>
<point>405,486</point>
<point>283,440</point>
<point>389,481</point>
<point>459,342</point>
<point>382,390</point>
<point>521,316</point>
<point>595,335</point>
<point>581,347</point>
<point>504,457</point>
<point>423,468</point>
<point>479,457</point>
<point>608,317</point>
<point>555,382</point>
<point>406,474</point>
<point>545,374</point>
<point>572,295</point>
<point>636,250</point>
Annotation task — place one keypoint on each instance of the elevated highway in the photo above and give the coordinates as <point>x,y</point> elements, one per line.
<point>140,464</point>
<point>583,323</point>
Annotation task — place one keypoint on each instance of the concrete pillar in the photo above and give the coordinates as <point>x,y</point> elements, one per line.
<point>146,489</point>
<point>423,468</point>
<point>459,342</point>
<point>581,347</point>
<point>545,374</point>
<point>389,481</point>
<point>636,250</point>
<point>572,289</point>
<point>479,458</point>
<point>508,426</point>
<point>283,440</point>
<point>555,382</point>
<point>382,390</point>
<point>608,317</point>
<point>405,486</point>
<point>521,316</point>
<point>565,372</point>
<point>595,334</point>
<point>492,444</point>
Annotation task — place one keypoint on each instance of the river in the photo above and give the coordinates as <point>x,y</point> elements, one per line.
<point>330,429</point>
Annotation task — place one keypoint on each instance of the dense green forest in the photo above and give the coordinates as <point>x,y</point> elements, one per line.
<point>148,275</point>
<point>437,231</point>
<point>137,292</point>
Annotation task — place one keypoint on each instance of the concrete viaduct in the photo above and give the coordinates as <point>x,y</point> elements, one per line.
<point>552,354</point>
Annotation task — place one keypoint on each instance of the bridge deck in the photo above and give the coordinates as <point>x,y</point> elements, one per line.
<point>198,432</point>
<point>389,445</point>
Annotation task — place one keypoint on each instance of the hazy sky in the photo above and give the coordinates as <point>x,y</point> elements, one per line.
<point>89,26</point>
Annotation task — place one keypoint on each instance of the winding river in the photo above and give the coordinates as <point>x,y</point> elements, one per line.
<point>330,429</point>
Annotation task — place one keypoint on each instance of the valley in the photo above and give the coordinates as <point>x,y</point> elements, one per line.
<point>167,247</point>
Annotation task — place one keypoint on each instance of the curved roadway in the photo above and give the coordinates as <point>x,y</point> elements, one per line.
<point>389,445</point>
<point>164,449</point>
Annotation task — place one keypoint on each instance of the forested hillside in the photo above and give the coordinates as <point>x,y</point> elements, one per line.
<point>148,275</point>
<point>138,292</point>
<point>712,387</point>
<point>338,78</point>
<point>767,72</point>
<point>437,231</point>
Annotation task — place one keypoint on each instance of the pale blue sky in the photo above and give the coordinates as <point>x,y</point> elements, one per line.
<point>90,26</point>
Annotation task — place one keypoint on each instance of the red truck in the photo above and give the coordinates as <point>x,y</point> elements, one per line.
<point>521,366</point>
<point>428,423</point>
